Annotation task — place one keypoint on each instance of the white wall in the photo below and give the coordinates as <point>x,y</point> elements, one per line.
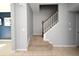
<point>20,21</point>
<point>73,6</point>
<point>64,32</point>
<point>13,26</point>
<point>77,28</point>
<point>22,25</point>
<point>36,24</point>
<point>29,22</point>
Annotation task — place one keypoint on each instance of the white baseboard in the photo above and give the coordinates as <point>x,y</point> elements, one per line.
<point>26,46</point>
<point>58,45</point>
<point>45,39</point>
<point>21,49</point>
<point>64,45</point>
<point>6,40</point>
<point>28,41</point>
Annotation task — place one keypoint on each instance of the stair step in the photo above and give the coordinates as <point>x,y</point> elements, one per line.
<point>37,43</point>
<point>40,47</point>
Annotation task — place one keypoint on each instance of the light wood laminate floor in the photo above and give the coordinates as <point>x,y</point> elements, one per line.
<point>38,47</point>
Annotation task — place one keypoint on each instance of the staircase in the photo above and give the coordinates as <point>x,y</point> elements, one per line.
<point>37,43</point>
<point>49,22</point>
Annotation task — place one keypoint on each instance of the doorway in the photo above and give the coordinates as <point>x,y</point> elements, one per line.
<point>5,28</point>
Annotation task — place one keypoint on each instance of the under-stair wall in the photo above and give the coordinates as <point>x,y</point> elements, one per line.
<point>63,34</point>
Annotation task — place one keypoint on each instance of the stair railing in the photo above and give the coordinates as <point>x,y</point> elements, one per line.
<point>49,22</point>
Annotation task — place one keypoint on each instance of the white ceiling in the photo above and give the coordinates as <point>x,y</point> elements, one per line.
<point>5,7</point>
